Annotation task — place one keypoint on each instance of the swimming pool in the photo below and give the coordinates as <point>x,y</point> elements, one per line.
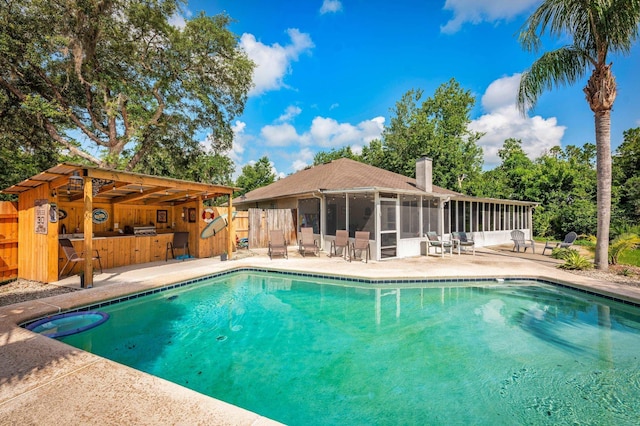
<point>313,350</point>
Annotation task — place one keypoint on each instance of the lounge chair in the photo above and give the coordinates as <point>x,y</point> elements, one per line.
<point>361,244</point>
<point>519,241</point>
<point>433,240</point>
<point>307,243</point>
<point>277,244</point>
<point>180,241</point>
<point>73,257</point>
<point>462,239</point>
<point>340,243</point>
<point>566,243</point>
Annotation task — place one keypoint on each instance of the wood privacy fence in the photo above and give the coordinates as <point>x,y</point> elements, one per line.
<point>263,221</point>
<point>8,240</point>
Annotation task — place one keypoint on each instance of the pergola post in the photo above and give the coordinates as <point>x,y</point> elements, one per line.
<point>88,233</point>
<point>232,232</point>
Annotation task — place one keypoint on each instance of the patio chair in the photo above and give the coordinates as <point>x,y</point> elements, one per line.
<point>341,243</point>
<point>180,241</point>
<point>462,239</point>
<point>361,244</point>
<point>433,240</point>
<point>519,241</point>
<point>566,243</point>
<point>307,243</point>
<point>277,244</point>
<point>73,257</point>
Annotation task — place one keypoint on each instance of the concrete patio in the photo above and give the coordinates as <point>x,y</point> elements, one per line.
<point>45,381</point>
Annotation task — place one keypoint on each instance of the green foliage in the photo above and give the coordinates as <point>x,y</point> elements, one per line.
<point>630,257</point>
<point>625,228</point>
<point>626,175</point>
<point>255,176</point>
<point>622,244</point>
<point>25,149</point>
<point>562,181</point>
<point>120,76</point>
<point>324,157</point>
<point>575,261</point>
<point>437,128</point>
<point>563,253</point>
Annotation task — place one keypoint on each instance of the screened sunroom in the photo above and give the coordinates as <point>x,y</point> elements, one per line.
<point>397,211</point>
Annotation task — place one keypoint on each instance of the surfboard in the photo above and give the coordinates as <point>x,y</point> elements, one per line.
<point>215,226</point>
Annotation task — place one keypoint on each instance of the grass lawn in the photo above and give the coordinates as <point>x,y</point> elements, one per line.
<point>632,257</point>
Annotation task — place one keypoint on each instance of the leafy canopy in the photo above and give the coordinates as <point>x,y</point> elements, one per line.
<point>437,128</point>
<point>113,81</point>
<point>255,176</point>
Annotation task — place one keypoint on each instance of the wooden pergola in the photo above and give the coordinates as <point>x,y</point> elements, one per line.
<point>73,183</point>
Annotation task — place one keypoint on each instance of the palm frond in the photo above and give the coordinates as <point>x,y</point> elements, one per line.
<point>560,67</point>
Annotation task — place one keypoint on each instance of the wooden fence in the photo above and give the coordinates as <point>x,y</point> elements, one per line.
<point>262,221</point>
<point>8,240</point>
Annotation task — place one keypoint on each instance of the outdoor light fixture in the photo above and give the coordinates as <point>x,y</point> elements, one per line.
<point>76,182</point>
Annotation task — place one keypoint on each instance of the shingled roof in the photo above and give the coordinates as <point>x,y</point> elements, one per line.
<point>341,174</point>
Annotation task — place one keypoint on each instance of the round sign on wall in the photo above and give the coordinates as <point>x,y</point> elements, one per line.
<point>100,216</point>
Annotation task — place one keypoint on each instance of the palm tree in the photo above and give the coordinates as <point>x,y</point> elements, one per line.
<point>597,27</point>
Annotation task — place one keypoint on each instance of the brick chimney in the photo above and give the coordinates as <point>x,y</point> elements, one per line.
<point>424,174</point>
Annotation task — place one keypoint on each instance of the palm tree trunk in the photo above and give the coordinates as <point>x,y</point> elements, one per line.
<point>603,169</point>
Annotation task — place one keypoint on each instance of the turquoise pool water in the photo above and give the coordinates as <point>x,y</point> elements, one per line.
<point>317,351</point>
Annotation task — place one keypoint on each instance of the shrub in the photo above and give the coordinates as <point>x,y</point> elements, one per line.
<point>622,244</point>
<point>575,261</point>
<point>562,253</point>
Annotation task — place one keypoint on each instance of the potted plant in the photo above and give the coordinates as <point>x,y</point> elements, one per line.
<point>223,256</point>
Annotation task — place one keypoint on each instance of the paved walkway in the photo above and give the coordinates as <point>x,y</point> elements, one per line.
<point>43,381</point>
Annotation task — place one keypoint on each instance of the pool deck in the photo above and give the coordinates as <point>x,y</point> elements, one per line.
<point>44,381</point>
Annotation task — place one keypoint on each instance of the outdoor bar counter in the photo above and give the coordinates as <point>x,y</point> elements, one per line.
<point>120,249</point>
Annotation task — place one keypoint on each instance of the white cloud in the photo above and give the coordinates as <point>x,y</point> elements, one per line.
<point>328,133</point>
<point>330,6</point>
<point>279,134</point>
<point>303,159</point>
<point>274,62</point>
<point>477,11</point>
<point>285,142</point>
<point>240,140</point>
<point>291,112</point>
<point>503,120</point>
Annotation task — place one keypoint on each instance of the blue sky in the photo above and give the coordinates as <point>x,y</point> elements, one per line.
<point>330,71</point>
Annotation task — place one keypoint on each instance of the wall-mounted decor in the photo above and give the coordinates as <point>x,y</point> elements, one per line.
<point>100,216</point>
<point>161,216</point>
<point>53,213</point>
<point>41,225</point>
<point>208,215</point>
<point>192,215</point>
